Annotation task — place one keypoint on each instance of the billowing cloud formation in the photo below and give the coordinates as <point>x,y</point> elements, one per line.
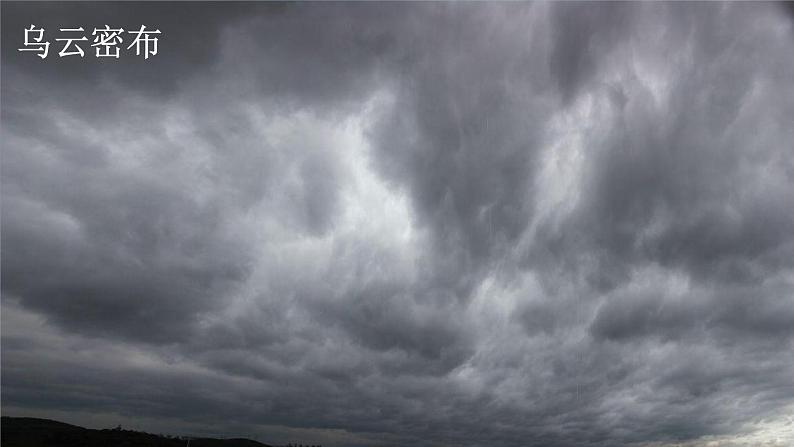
<point>425,224</point>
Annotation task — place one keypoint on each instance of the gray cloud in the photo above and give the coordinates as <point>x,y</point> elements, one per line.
<point>428,224</point>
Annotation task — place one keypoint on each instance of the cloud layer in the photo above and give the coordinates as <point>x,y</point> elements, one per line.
<point>406,224</point>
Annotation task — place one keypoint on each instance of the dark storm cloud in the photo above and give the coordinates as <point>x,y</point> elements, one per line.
<point>429,224</point>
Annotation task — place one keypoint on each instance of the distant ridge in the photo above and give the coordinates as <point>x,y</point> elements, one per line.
<point>34,432</point>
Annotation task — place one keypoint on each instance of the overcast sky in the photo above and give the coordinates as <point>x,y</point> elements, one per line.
<point>523,224</point>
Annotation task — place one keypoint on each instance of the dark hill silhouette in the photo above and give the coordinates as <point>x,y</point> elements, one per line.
<point>33,432</point>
